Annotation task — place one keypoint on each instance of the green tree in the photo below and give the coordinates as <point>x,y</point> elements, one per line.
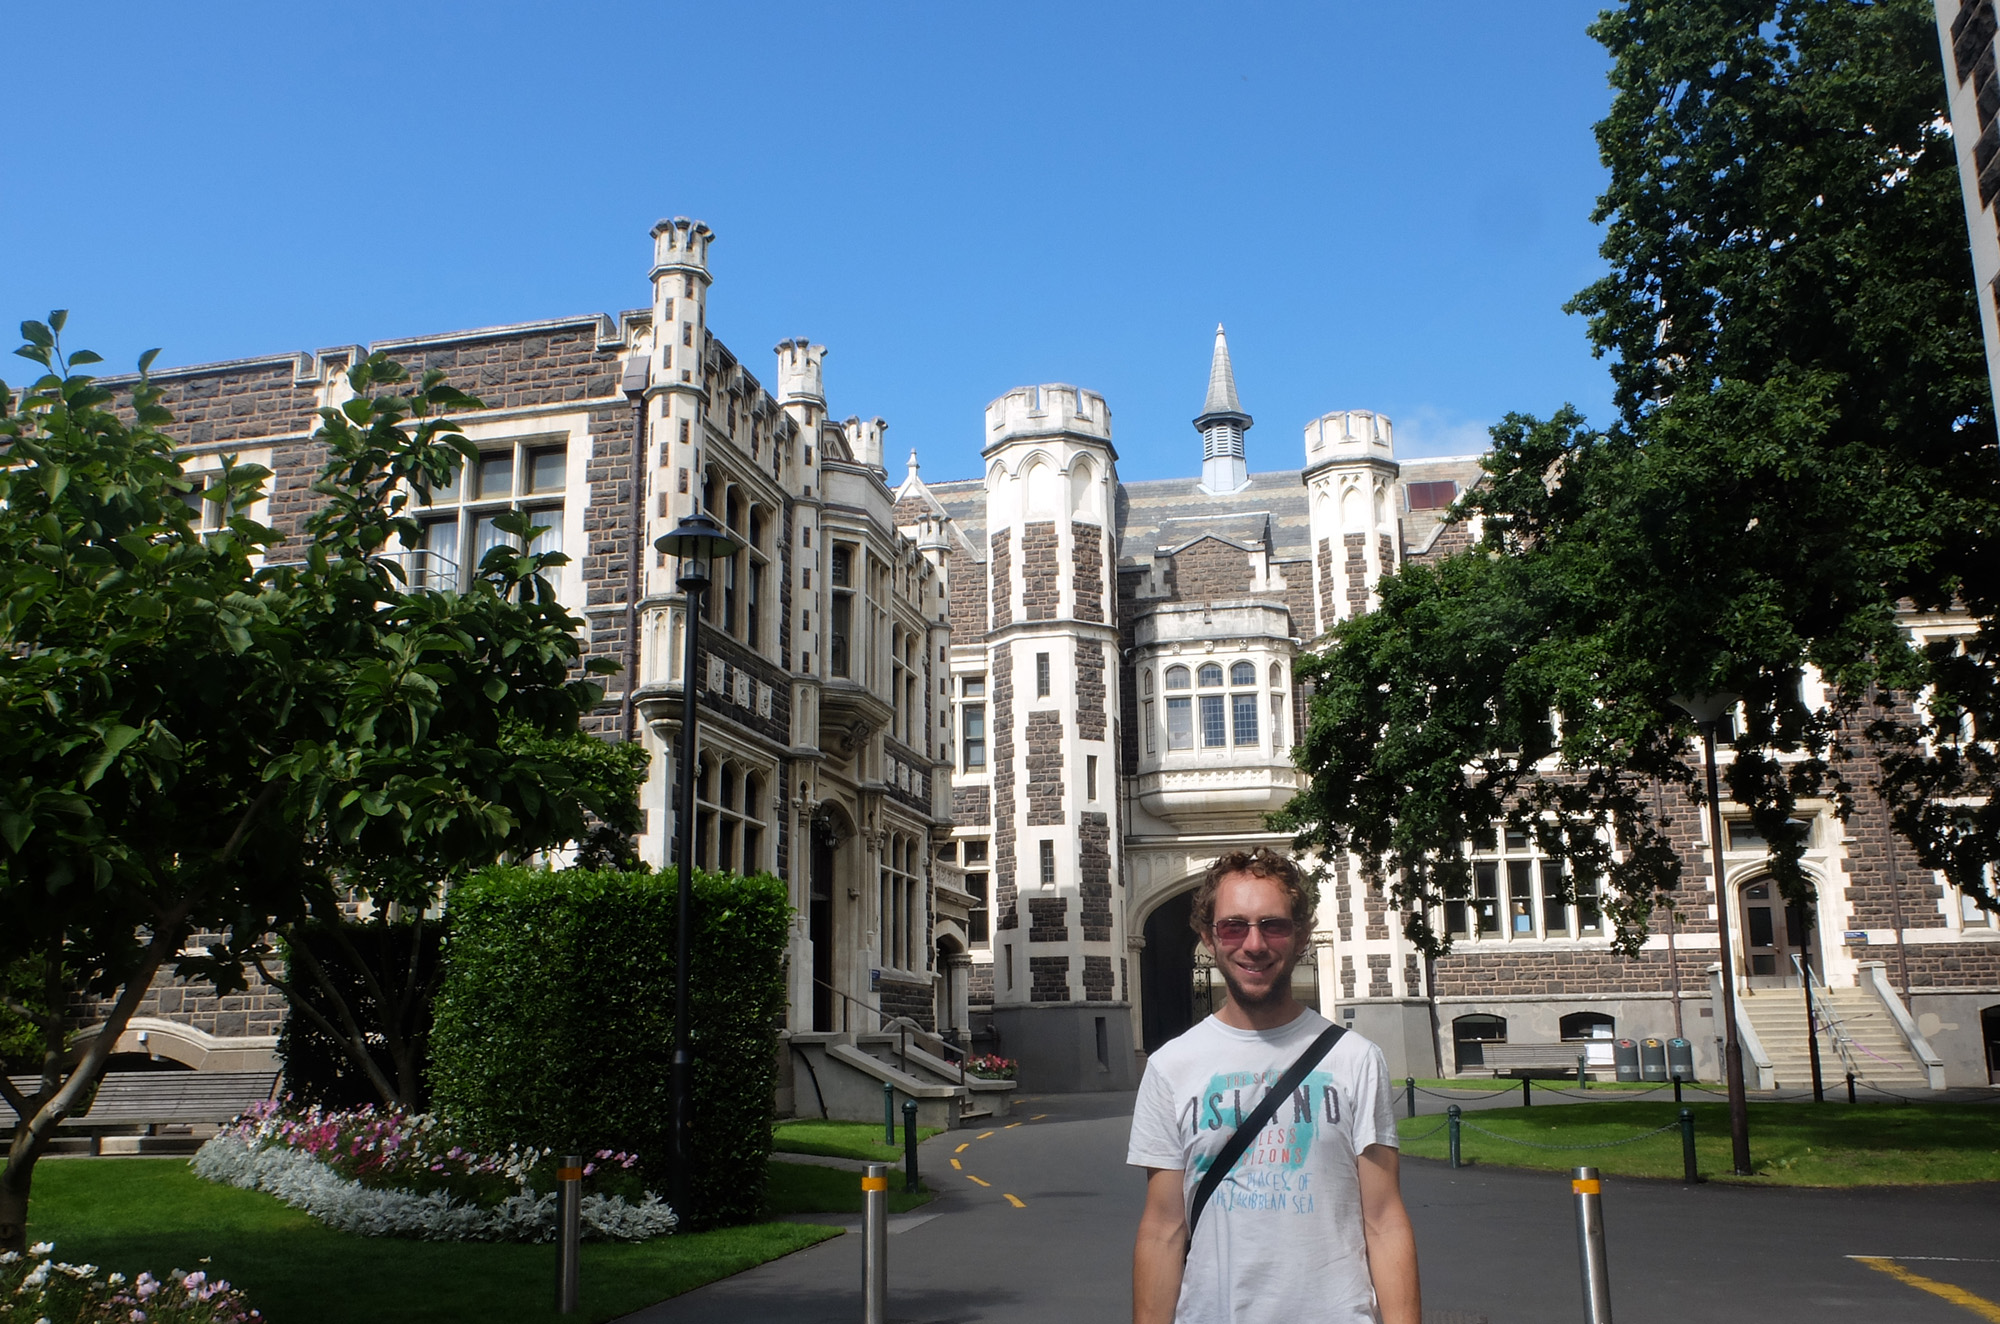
<point>199,738</point>
<point>1804,453</point>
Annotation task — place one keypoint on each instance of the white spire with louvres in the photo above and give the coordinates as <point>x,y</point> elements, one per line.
<point>1222,424</point>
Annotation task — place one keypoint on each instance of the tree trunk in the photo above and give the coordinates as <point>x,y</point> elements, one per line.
<point>38,1115</point>
<point>14,1180</point>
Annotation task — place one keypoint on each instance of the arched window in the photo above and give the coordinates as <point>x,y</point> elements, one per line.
<point>1588,1025</point>
<point>1470,1035</point>
<point>1146,681</point>
<point>1211,674</point>
<point>1277,675</point>
<point>1180,711</point>
<point>1243,706</point>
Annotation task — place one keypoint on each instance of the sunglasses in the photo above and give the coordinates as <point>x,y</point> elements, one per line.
<point>1231,932</point>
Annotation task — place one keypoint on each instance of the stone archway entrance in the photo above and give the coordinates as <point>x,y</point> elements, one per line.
<point>1166,972</point>
<point>1774,934</point>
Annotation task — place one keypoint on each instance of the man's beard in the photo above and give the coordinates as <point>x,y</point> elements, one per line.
<point>1280,989</point>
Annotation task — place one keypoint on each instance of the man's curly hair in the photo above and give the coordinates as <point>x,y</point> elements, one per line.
<point>1262,863</point>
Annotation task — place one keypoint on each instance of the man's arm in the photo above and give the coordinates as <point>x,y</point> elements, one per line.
<point>1158,1254</point>
<point>1392,1244</point>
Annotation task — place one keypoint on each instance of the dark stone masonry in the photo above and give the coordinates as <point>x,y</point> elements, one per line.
<point>1094,876</point>
<point>1048,978</point>
<point>1002,762</point>
<point>1048,919</point>
<point>1002,573</point>
<point>1045,770</point>
<point>1088,580</point>
<point>1039,585</point>
<point>1090,691</point>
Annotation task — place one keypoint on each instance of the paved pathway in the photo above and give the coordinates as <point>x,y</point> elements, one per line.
<point>1495,1245</point>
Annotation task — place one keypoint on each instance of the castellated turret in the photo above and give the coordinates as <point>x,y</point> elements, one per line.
<point>680,243</point>
<point>1350,473</point>
<point>1051,595</point>
<point>801,371</point>
<point>864,441</point>
<point>1048,411</point>
<point>680,299</point>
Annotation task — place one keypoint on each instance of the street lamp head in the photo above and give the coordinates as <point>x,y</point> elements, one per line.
<point>696,538</point>
<point>1706,709</point>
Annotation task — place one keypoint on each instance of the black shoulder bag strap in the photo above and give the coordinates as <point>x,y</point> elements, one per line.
<point>1247,1130</point>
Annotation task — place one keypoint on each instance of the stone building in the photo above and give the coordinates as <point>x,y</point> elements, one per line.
<point>823,633</point>
<point>991,730</point>
<point>1220,581</point>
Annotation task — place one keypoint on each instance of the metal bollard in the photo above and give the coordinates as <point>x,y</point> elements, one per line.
<point>1850,1087</point>
<point>875,1243</point>
<point>888,1113</point>
<point>911,1182</point>
<point>1677,1089</point>
<point>1410,1088</point>
<point>1688,1172</point>
<point>1451,1132</point>
<point>1527,1101</point>
<point>1582,1081</point>
<point>1590,1245</point>
<point>569,1229</point>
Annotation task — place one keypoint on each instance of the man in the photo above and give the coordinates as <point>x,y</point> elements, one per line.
<point>1309,1225</point>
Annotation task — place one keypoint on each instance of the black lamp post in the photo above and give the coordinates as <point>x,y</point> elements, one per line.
<point>1707,711</point>
<point>693,541</point>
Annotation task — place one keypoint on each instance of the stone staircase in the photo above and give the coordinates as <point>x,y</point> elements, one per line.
<point>1881,1056</point>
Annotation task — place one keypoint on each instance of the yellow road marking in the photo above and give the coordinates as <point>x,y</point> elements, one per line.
<point>1015,1200</point>
<point>957,1166</point>
<point>962,1148</point>
<point>982,1135</point>
<point>1958,1296</point>
<point>970,1177</point>
<point>1010,1126</point>
<point>1038,1117</point>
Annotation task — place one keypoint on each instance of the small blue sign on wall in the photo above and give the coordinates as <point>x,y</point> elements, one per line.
<point>1856,935</point>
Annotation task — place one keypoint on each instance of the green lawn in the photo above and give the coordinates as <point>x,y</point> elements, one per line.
<point>1791,1144</point>
<point>857,1140</point>
<point>155,1214</point>
<point>803,1188</point>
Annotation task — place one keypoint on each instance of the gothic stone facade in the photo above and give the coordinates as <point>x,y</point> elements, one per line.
<point>991,731</point>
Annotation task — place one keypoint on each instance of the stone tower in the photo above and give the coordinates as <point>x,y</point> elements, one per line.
<point>1350,476</point>
<point>1059,983</point>
<point>1222,424</point>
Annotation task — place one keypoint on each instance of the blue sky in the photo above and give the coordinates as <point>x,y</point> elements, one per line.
<point>1387,204</point>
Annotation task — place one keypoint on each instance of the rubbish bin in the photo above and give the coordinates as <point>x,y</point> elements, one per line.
<point>1653,1059</point>
<point>1680,1060</point>
<point>1625,1056</point>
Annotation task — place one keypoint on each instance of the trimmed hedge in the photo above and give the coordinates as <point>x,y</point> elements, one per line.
<point>555,1023</point>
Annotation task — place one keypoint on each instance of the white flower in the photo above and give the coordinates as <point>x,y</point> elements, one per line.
<point>41,1248</point>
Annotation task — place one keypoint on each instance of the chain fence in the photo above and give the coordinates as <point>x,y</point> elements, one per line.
<point>1602,1144</point>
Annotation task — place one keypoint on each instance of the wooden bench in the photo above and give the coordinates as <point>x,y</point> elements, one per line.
<point>1524,1060</point>
<point>144,1101</point>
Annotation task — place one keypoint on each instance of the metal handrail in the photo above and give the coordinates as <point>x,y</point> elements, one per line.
<point>1843,1043</point>
<point>905,1027</point>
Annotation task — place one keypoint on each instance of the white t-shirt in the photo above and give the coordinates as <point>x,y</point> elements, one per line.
<point>1281,1239</point>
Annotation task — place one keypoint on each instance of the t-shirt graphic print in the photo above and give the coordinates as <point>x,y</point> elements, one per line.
<point>1281,1238</point>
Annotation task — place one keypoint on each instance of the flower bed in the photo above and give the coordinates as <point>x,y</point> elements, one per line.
<point>991,1066</point>
<point>397,1174</point>
<point>38,1287</point>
